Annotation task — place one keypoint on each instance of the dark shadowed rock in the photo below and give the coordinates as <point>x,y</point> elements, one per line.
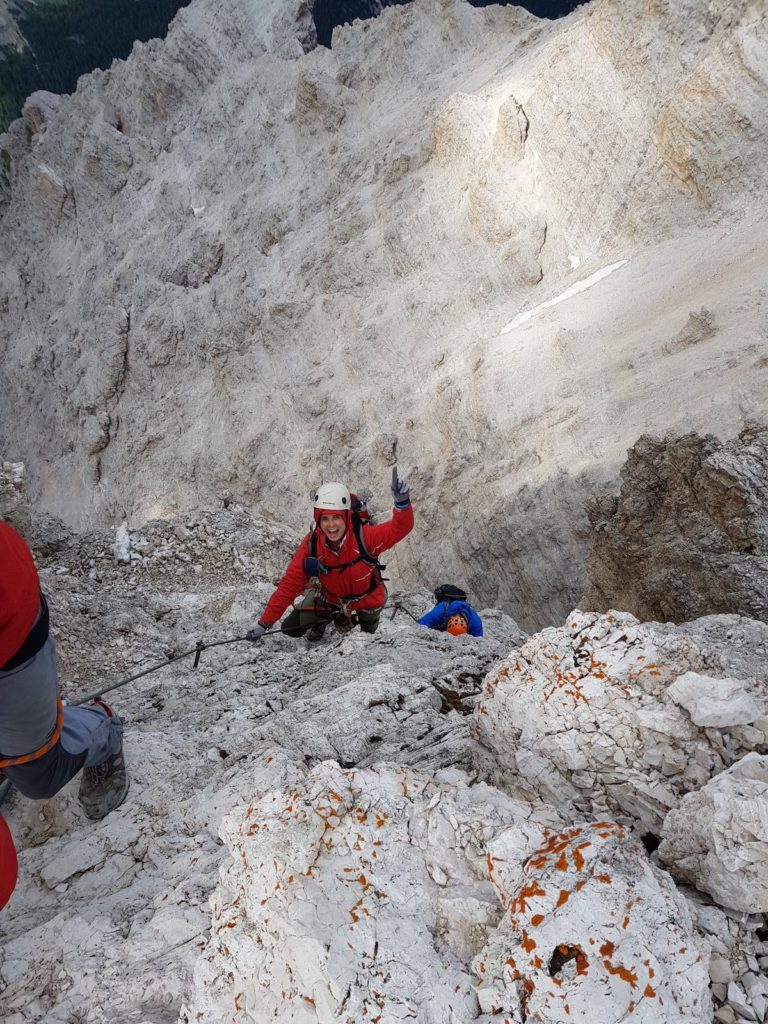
<point>688,534</point>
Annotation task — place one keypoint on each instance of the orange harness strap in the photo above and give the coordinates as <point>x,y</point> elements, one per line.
<point>53,739</point>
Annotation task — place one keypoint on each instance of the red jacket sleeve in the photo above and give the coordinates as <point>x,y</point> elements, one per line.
<point>293,583</point>
<point>384,536</point>
<point>19,592</point>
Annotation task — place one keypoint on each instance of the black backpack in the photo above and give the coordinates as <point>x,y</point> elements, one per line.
<point>360,517</point>
<point>448,592</point>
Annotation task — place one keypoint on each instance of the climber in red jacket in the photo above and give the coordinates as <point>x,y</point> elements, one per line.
<point>43,741</point>
<point>336,567</point>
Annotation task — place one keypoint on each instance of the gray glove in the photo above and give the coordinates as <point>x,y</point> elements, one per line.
<point>399,488</point>
<point>256,633</point>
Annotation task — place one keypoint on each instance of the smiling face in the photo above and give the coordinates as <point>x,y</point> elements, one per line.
<point>333,525</point>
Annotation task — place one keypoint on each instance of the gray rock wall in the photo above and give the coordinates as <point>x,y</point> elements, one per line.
<point>237,263</point>
<point>688,534</point>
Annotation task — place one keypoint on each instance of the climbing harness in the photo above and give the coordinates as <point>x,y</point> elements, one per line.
<point>337,611</point>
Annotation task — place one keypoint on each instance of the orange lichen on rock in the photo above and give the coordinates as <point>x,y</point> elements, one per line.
<point>528,891</point>
<point>630,977</point>
<point>513,969</point>
<point>578,858</point>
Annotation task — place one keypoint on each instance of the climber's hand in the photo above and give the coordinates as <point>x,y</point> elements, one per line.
<point>399,488</point>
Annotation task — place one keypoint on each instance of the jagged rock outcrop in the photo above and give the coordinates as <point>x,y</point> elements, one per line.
<point>591,931</point>
<point>596,717</point>
<point>717,839</point>
<point>235,262</point>
<point>11,488</point>
<point>354,894</point>
<point>10,34</point>
<point>688,534</point>
<point>101,907</point>
<point>365,895</point>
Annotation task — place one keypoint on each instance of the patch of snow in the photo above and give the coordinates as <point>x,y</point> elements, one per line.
<point>575,289</point>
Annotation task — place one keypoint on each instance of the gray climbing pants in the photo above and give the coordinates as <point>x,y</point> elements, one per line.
<point>28,710</point>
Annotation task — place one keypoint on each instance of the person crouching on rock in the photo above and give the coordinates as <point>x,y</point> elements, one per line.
<point>43,742</point>
<point>455,617</point>
<point>336,567</point>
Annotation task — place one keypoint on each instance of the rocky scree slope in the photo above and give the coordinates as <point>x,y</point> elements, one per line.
<point>375,794</point>
<point>235,244</point>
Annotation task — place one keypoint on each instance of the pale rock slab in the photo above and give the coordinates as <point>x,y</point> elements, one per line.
<point>591,931</point>
<point>12,477</point>
<point>716,702</point>
<point>350,894</point>
<point>717,839</point>
<point>586,717</point>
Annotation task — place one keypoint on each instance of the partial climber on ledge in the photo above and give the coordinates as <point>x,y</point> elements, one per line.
<point>336,566</point>
<point>453,613</point>
<point>43,741</point>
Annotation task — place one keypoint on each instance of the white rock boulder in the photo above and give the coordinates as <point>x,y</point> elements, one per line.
<point>591,932</point>
<point>354,895</point>
<point>588,716</point>
<point>385,894</point>
<point>716,702</point>
<point>717,839</point>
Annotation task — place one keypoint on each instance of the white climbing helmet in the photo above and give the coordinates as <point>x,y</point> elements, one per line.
<point>332,498</point>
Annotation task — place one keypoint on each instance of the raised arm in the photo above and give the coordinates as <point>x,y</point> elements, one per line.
<point>385,535</point>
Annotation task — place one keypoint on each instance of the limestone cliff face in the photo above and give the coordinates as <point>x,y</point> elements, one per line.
<point>10,35</point>
<point>237,262</point>
<point>688,534</point>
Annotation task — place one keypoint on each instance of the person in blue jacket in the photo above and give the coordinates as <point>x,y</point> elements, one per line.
<point>447,616</point>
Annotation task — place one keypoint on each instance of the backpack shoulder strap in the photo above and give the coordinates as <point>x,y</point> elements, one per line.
<point>365,554</point>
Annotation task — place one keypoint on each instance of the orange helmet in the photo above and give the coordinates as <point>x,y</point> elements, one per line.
<point>456,625</point>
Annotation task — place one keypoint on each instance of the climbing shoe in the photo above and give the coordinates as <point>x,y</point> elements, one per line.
<point>316,632</point>
<point>104,786</point>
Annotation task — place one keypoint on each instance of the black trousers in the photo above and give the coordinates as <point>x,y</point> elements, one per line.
<point>313,611</point>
